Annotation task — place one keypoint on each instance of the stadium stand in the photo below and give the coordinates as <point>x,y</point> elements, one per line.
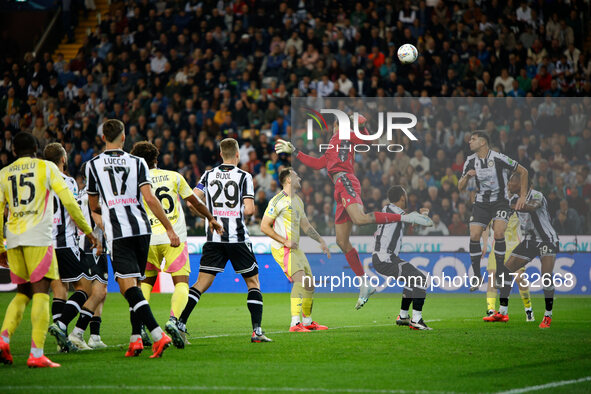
<point>185,75</point>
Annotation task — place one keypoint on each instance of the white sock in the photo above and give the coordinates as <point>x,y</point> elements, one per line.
<point>295,320</point>
<point>503,309</point>
<point>548,313</point>
<point>95,337</point>
<point>6,339</point>
<point>62,325</point>
<point>36,352</point>
<point>78,331</point>
<point>134,338</point>
<point>403,314</point>
<point>416,315</point>
<point>156,334</point>
<point>528,309</point>
<point>307,320</point>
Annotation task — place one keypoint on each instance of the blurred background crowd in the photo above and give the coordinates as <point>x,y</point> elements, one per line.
<point>185,75</point>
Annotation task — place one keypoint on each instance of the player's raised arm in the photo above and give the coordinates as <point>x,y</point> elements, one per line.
<point>316,163</point>
<point>311,232</point>
<point>467,173</point>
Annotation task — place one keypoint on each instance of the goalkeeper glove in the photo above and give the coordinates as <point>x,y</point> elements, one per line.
<point>283,146</point>
<point>417,218</point>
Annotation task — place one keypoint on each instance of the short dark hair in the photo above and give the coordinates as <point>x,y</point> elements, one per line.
<point>147,151</point>
<point>24,143</point>
<point>284,174</point>
<point>54,152</point>
<point>112,129</point>
<point>395,193</point>
<point>481,134</point>
<point>518,176</point>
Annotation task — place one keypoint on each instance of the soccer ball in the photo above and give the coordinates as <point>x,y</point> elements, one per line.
<point>407,53</point>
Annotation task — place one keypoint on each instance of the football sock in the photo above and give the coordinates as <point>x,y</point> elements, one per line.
<point>194,297</point>
<point>72,308</point>
<point>406,300</point>
<point>179,299</point>
<point>296,300</point>
<point>504,304</point>
<point>95,325</point>
<point>500,248</point>
<point>254,301</point>
<point>136,323</point>
<point>491,298</point>
<point>416,315</point>
<point>14,315</point>
<point>295,320</point>
<point>142,310</point>
<point>57,306</point>
<point>475,255</point>
<point>39,321</point>
<point>353,259</point>
<point>549,298</point>
<point>84,319</point>
<point>404,313</point>
<point>525,297</point>
<point>307,304</point>
<point>385,217</point>
<point>146,290</point>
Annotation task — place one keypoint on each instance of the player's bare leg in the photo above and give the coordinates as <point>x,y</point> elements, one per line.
<point>99,293</point>
<point>547,276</point>
<point>476,230</point>
<point>87,314</point>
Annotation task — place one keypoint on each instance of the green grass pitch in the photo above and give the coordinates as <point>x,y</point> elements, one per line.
<point>363,352</point>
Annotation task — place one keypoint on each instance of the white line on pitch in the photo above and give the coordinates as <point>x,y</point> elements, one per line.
<point>547,385</point>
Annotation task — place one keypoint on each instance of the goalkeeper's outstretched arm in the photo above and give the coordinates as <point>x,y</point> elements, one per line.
<point>316,163</point>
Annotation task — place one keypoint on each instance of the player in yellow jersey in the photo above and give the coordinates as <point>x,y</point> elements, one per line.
<point>512,238</point>
<point>27,187</point>
<point>282,221</point>
<point>169,187</point>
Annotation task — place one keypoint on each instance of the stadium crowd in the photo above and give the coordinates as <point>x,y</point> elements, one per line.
<point>185,75</point>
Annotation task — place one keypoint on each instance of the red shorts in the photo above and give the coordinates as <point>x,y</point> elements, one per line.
<point>347,191</point>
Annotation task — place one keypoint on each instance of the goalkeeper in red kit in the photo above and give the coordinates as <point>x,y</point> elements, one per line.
<point>339,160</point>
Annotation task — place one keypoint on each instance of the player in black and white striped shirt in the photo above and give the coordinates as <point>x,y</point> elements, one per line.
<point>120,180</point>
<point>491,171</point>
<point>386,261</point>
<point>71,268</point>
<point>539,239</point>
<point>228,193</point>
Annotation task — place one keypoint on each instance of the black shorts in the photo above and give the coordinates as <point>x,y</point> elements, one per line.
<point>529,250</point>
<point>216,255</point>
<point>129,256</point>
<point>484,212</point>
<point>397,268</point>
<point>98,267</point>
<point>70,265</point>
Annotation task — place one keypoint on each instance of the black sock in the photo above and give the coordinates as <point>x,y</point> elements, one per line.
<point>136,323</point>
<point>57,307</point>
<point>503,301</point>
<point>254,301</point>
<point>84,319</point>
<point>406,299</point>
<point>475,256</point>
<point>95,325</point>
<point>72,307</point>
<point>500,248</point>
<point>140,308</point>
<point>418,298</point>
<point>194,297</point>
<point>549,298</point>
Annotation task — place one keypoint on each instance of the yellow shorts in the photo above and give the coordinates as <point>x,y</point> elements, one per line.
<point>492,261</point>
<point>291,261</point>
<point>32,263</point>
<point>176,260</point>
